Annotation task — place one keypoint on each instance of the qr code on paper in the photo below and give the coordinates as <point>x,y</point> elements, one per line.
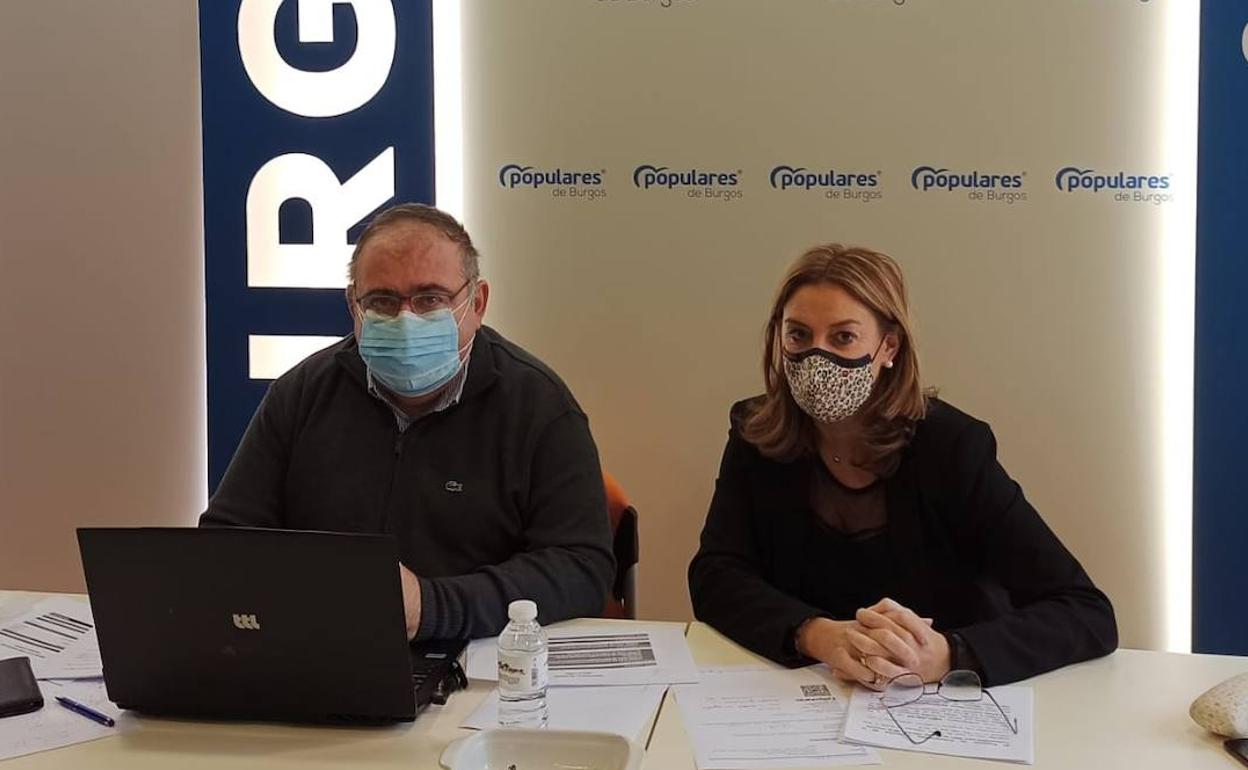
<point>815,691</point>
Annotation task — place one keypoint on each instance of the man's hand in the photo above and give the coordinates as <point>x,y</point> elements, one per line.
<point>894,640</point>
<point>411,600</point>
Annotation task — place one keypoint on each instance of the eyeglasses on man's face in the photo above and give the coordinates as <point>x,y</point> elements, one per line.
<point>959,686</point>
<point>389,304</point>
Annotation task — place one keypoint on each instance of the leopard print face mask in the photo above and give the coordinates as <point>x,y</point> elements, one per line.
<point>826,386</point>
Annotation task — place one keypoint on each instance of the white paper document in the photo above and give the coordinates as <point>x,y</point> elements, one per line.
<point>751,719</point>
<point>966,729</point>
<point>58,635</point>
<point>54,726</point>
<point>625,710</point>
<point>603,654</point>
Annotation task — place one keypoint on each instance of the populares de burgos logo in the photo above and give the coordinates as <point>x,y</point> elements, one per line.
<point>1125,186</point>
<point>977,185</point>
<point>856,186</point>
<point>694,182</point>
<point>578,184</point>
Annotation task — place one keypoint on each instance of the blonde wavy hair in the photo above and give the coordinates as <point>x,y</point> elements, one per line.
<point>778,427</point>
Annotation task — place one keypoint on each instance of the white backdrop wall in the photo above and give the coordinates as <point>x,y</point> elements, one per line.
<point>101,248</point>
<point>1040,313</point>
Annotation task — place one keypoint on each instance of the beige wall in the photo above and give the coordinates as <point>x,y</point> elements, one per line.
<point>101,327</point>
<point>1042,318</point>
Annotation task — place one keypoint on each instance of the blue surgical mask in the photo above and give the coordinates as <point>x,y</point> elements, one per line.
<point>411,355</point>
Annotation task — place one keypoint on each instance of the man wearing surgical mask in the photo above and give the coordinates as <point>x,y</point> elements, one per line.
<point>429,426</point>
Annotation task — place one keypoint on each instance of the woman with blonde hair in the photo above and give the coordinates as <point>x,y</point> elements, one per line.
<point>860,521</point>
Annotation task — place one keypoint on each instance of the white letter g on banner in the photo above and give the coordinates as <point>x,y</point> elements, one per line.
<point>317,94</point>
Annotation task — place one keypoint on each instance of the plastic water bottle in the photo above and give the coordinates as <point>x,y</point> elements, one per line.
<point>522,672</point>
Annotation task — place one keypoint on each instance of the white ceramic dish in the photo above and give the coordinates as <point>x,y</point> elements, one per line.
<point>504,749</point>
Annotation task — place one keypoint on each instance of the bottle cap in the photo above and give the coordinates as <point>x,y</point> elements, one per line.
<point>522,611</point>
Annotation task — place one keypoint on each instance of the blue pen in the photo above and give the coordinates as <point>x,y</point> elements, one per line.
<point>86,711</point>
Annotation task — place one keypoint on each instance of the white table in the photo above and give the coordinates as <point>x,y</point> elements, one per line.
<point>1127,710</point>
<point>173,744</point>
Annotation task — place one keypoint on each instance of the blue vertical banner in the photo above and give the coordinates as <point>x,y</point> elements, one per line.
<point>316,113</point>
<point>1220,520</point>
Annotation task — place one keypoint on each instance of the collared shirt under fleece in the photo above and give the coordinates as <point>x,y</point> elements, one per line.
<point>498,496</point>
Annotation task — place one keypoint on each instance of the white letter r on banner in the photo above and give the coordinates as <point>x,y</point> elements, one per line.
<point>336,206</point>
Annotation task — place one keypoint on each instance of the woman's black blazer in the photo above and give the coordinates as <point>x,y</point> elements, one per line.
<point>964,547</point>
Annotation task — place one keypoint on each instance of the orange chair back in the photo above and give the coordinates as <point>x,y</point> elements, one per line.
<point>624,535</point>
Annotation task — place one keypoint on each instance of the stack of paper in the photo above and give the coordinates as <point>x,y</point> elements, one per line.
<point>603,654</point>
<point>751,719</point>
<point>54,726</point>
<point>603,676</point>
<point>623,710</point>
<point>58,635</point>
<point>966,729</point>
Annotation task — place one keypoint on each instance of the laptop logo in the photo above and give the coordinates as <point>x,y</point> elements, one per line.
<point>246,622</point>
<point>454,486</point>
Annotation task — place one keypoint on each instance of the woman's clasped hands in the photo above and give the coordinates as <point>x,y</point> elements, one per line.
<point>883,641</point>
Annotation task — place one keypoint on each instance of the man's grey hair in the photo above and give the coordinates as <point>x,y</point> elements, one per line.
<point>419,213</point>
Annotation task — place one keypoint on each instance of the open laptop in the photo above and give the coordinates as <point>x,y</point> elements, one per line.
<point>259,624</point>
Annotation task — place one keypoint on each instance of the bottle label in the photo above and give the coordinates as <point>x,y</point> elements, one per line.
<point>521,671</point>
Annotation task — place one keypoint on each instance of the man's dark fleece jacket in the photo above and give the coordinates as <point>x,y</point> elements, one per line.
<point>498,497</point>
